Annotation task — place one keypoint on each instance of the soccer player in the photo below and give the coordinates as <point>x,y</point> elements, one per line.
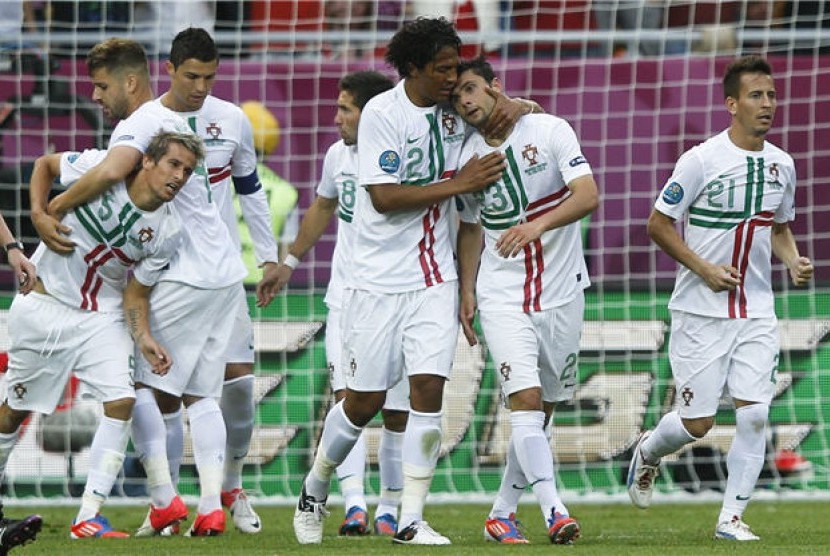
<point>400,319</point>
<point>74,319</point>
<point>231,165</point>
<point>338,192</point>
<point>736,193</point>
<point>529,287</point>
<point>189,303</point>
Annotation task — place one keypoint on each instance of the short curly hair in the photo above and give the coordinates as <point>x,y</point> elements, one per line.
<point>418,41</point>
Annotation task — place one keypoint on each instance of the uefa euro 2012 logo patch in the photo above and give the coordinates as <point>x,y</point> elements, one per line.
<point>389,161</point>
<point>673,193</point>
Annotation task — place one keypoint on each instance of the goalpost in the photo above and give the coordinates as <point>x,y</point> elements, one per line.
<point>638,93</point>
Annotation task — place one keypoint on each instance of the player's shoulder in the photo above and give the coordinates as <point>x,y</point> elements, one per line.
<point>225,108</point>
<point>383,102</point>
<point>338,149</point>
<point>773,150</point>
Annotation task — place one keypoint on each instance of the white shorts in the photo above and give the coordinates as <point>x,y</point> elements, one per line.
<point>709,353</point>
<point>397,399</point>
<point>50,340</point>
<point>537,349</point>
<point>387,337</point>
<point>193,326</point>
<point>241,343</point>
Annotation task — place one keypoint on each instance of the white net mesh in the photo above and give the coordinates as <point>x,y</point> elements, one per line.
<point>639,82</point>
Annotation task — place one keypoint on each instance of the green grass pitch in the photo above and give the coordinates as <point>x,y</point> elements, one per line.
<point>675,529</point>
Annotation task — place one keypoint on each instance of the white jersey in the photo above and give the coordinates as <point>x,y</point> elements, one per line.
<point>402,143</point>
<point>543,156</point>
<point>229,153</point>
<point>112,238</point>
<point>207,257</point>
<point>730,198</point>
<point>339,181</point>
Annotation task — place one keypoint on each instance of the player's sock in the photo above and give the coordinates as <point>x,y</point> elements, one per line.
<point>351,474</point>
<point>513,483</point>
<point>391,472</point>
<point>745,459</point>
<point>421,445</point>
<point>207,431</point>
<point>669,436</point>
<point>7,444</point>
<point>150,440</point>
<point>338,438</point>
<point>174,426</point>
<point>534,455</point>
<point>238,411</point>
<point>106,456</point>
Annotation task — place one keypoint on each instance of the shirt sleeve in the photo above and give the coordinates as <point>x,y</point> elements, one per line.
<point>682,187</point>
<point>75,164</point>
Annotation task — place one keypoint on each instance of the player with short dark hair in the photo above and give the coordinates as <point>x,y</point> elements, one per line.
<point>736,193</point>
<point>338,193</point>
<point>528,285</point>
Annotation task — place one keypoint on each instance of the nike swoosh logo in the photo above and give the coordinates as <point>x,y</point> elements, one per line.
<point>410,141</point>
<point>742,498</point>
<point>517,487</point>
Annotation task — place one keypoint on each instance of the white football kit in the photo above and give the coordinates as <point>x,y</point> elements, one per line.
<point>401,304</point>
<point>339,181</point>
<point>531,306</point>
<point>207,260</point>
<point>230,158</point>
<point>729,199</point>
<point>79,326</point>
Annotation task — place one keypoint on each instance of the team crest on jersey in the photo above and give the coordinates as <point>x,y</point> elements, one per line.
<point>774,174</point>
<point>215,132</point>
<point>19,391</point>
<point>687,396</point>
<point>389,161</point>
<point>505,370</point>
<point>146,234</point>
<point>449,123</point>
<point>673,193</point>
<point>531,153</point>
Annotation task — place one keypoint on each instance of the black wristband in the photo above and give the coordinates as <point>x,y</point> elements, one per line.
<point>13,245</point>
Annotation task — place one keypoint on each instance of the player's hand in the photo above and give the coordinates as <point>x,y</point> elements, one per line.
<point>721,277</point>
<point>273,280</point>
<point>802,271</point>
<point>506,112</point>
<point>479,172</point>
<point>160,361</point>
<point>54,234</point>
<point>514,239</point>
<point>466,314</point>
<point>24,270</point>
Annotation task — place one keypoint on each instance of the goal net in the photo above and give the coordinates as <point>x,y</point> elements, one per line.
<point>640,85</point>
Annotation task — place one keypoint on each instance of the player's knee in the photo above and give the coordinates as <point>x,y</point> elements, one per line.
<point>121,409</point>
<point>529,399</point>
<point>700,426</point>
<point>395,420</point>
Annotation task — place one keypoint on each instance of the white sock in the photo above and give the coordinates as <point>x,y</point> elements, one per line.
<point>7,444</point>
<point>174,426</point>
<point>745,459</point>
<point>351,474</point>
<point>421,446</point>
<point>238,411</point>
<point>391,472</point>
<point>668,437</point>
<point>338,438</point>
<point>207,432</point>
<point>513,483</point>
<point>150,440</point>
<point>534,454</point>
<point>106,457</point>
